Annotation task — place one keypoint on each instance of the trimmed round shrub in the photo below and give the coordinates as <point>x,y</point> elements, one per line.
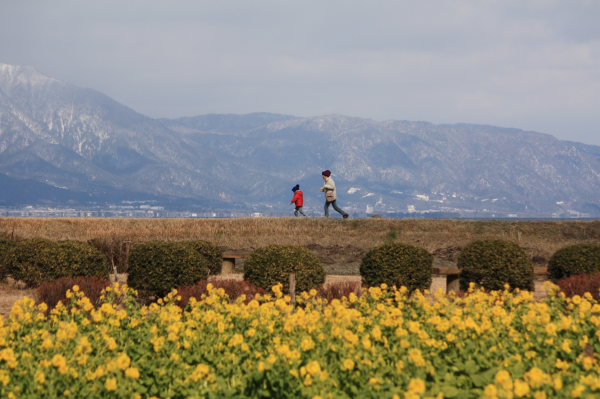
<point>493,263</point>
<point>212,253</point>
<point>271,265</point>
<point>574,259</point>
<point>397,265</point>
<point>6,257</point>
<point>156,267</point>
<point>38,261</point>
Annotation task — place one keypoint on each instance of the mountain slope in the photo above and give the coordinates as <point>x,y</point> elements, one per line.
<point>82,141</point>
<point>79,138</point>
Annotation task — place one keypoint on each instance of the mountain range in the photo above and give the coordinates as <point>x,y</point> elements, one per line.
<point>63,145</point>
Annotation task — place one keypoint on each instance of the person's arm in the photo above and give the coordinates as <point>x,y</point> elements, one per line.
<point>329,185</point>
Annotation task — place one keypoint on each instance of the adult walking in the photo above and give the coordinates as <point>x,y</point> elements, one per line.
<point>331,194</point>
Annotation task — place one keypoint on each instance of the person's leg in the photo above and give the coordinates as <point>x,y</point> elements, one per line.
<point>327,209</point>
<point>296,211</point>
<point>300,210</point>
<point>338,209</point>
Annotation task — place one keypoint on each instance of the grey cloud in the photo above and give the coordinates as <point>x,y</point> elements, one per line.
<point>531,64</point>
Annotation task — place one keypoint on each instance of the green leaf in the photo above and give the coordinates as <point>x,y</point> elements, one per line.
<point>449,391</point>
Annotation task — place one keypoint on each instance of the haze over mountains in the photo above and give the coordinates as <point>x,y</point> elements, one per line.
<point>63,145</point>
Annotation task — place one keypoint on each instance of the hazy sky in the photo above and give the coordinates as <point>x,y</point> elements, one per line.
<point>530,64</point>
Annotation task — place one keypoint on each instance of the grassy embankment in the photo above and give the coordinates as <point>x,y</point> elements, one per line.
<point>339,243</point>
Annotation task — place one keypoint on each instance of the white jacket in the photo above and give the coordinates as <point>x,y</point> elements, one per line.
<point>329,186</point>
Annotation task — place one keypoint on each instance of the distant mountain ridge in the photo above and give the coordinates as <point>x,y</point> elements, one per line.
<point>94,150</point>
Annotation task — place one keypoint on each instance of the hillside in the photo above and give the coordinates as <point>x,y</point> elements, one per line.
<point>101,152</point>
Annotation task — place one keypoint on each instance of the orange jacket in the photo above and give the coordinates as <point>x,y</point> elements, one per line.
<point>298,198</point>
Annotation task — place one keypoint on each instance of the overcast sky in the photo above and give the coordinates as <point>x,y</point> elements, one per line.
<point>529,64</point>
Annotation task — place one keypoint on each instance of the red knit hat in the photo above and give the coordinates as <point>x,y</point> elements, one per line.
<point>326,173</point>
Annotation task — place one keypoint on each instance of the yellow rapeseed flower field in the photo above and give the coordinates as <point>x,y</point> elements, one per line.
<point>383,344</point>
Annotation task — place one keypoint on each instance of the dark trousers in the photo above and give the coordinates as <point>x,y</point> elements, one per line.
<point>298,210</point>
<point>337,208</point>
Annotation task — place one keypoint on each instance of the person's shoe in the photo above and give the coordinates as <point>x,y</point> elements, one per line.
<point>345,216</point>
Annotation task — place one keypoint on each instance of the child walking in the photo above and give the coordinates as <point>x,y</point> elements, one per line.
<point>298,200</point>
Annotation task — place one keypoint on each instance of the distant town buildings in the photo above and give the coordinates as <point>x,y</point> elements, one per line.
<point>145,210</point>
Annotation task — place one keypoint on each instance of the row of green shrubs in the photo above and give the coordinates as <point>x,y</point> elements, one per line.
<point>154,268</point>
<point>489,263</point>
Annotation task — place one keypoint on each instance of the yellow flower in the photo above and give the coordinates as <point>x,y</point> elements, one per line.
<point>111,384</point>
<point>375,292</point>
<point>60,362</point>
<point>132,372</point>
<point>350,337</point>
<point>578,391</point>
<point>307,344</point>
<point>374,381</point>
<point>158,343</point>
<point>308,380</point>
<point>416,385</point>
<point>376,333</point>
<point>551,329</point>
<point>348,364</point>
<point>521,388</point>
<point>558,383</point>
<point>4,377</point>
<point>530,354</point>
<point>123,361</point>
<point>416,357</point>
<point>236,340</point>
<point>313,367</point>
<point>202,371</point>
<point>277,290</point>
<point>560,364</point>
<point>450,337</point>
<point>40,377</point>
<point>504,379</point>
<point>537,378</point>
<point>490,392</point>
<point>107,308</point>
<point>261,366</point>
<point>366,342</point>
<point>111,343</point>
<point>8,355</point>
<point>588,362</point>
